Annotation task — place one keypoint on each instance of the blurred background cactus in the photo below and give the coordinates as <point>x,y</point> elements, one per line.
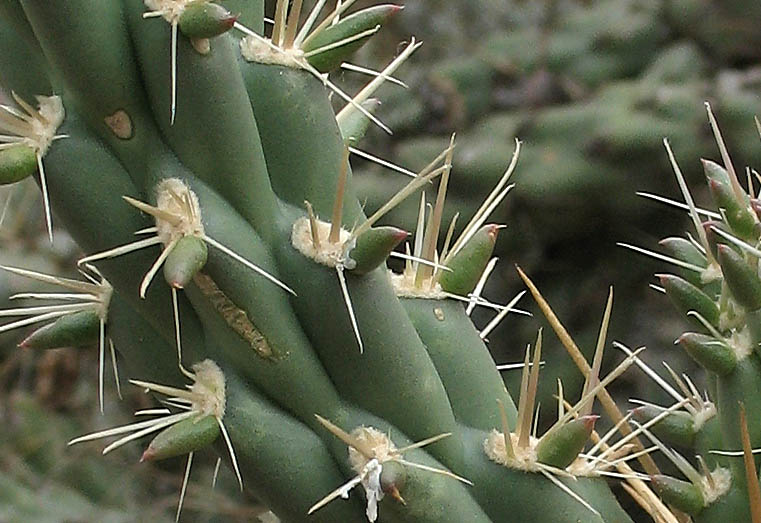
<point>589,87</point>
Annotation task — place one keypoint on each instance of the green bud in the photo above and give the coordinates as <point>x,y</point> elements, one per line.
<point>741,279</point>
<point>355,125</point>
<point>181,438</point>
<point>738,214</point>
<point>715,172</point>
<point>681,494</point>
<point>16,163</point>
<point>187,258</point>
<point>686,297</point>
<point>205,20</point>
<point>374,246</point>
<point>678,428</point>
<point>347,28</point>
<point>468,265</point>
<point>560,446</point>
<point>711,354</point>
<point>73,330</point>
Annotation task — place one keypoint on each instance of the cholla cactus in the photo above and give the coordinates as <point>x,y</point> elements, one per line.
<point>181,111</point>
<point>718,290</point>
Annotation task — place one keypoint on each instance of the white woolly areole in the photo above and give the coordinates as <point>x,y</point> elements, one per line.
<point>35,128</point>
<point>741,344</point>
<point>173,196</point>
<point>170,10</point>
<point>372,485</point>
<point>103,295</point>
<point>52,113</point>
<point>328,254</point>
<point>382,446</point>
<point>525,458</point>
<point>404,287</point>
<point>208,389</point>
<point>722,480</point>
<point>369,470</point>
<point>265,52</point>
<point>702,415</point>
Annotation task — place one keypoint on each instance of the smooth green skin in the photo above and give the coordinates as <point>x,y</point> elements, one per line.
<point>349,26</point>
<point>468,265</point>
<point>742,281</point>
<point>17,163</point>
<point>23,67</point>
<point>681,494</point>
<point>683,249</point>
<point>753,322</point>
<point>740,386</point>
<point>708,438</point>
<point>738,214</point>
<point>296,121</point>
<point>686,297</point>
<point>250,13</point>
<point>733,506</point>
<point>74,330</point>
<point>205,20</point>
<point>285,464</point>
<point>182,438</point>
<point>710,353</point>
<point>373,248</point>
<point>561,446</point>
<point>355,125</point>
<point>106,81</point>
<point>678,428</point>
<point>467,369</point>
<point>188,257</point>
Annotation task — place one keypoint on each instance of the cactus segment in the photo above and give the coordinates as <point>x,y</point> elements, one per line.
<point>463,362</point>
<point>327,49</point>
<point>227,155</point>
